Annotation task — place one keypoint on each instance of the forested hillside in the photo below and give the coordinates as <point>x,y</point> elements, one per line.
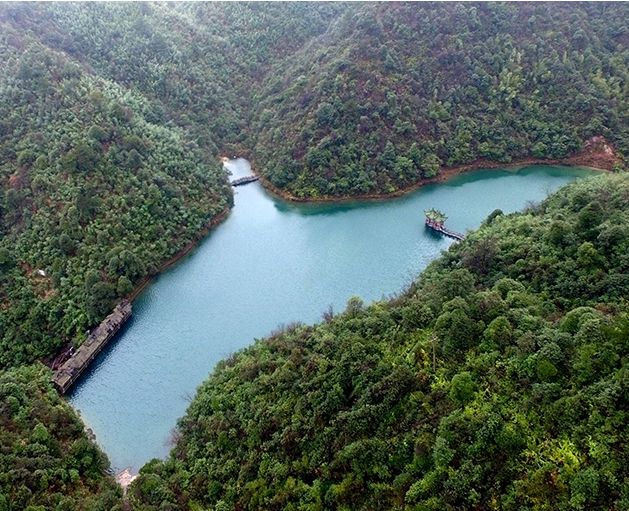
<point>46,460</point>
<point>498,381</point>
<point>198,63</point>
<point>113,116</point>
<point>112,119</point>
<point>97,194</point>
<point>393,92</point>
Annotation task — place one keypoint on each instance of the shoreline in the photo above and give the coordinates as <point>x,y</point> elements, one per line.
<point>189,247</point>
<point>125,477</point>
<point>583,159</point>
<point>596,153</point>
<point>445,174</point>
<point>145,281</point>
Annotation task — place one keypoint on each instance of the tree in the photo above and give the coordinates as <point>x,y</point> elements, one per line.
<point>430,166</point>
<point>326,115</point>
<point>499,331</point>
<point>457,331</point>
<point>462,388</point>
<point>82,158</point>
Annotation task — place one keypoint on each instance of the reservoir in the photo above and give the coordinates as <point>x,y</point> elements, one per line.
<point>272,263</point>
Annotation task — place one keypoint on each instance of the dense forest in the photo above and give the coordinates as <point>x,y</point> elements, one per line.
<point>46,459</point>
<point>99,189</point>
<point>498,381</point>
<point>112,120</point>
<point>392,93</point>
<point>114,115</point>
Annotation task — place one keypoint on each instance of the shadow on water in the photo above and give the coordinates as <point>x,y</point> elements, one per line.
<point>432,234</point>
<point>467,178</point>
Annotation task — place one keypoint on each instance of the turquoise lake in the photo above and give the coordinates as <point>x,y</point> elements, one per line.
<point>272,263</point>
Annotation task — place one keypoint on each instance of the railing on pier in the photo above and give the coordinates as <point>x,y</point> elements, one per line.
<point>244,180</point>
<point>444,230</point>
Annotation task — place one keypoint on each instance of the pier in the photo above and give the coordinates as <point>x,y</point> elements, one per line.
<point>244,180</point>
<point>435,220</point>
<point>447,232</point>
<point>69,372</point>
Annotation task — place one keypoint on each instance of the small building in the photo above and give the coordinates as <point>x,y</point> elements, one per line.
<point>435,218</point>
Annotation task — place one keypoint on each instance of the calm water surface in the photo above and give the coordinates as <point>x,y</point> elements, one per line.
<point>272,263</point>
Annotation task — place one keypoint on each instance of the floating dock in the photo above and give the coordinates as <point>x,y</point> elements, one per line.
<point>72,368</point>
<point>244,180</point>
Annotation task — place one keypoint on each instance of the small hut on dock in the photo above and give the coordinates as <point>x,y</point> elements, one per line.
<point>435,219</point>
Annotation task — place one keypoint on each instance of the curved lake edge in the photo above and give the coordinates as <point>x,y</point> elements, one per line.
<point>148,279</point>
<point>445,174</point>
<point>180,254</point>
<point>123,461</point>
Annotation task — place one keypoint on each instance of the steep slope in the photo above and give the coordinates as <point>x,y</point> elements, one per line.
<point>392,92</point>
<point>46,459</point>
<point>497,382</point>
<point>179,66</point>
<point>328,100</point>
<point>96,195</point>
<point>197,63</point>
<point>111,119</point>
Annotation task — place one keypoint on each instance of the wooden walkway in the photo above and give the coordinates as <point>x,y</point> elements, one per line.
<point>446,232</point>
<point>245,180</point>
<point>452,234</point>
<point>72,368</point>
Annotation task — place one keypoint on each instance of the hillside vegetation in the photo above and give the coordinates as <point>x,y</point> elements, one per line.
<point>97,194</point>
<point>112,119</point>
<point>393,92</point>
<point>46,459</point>
<point>498,381</point>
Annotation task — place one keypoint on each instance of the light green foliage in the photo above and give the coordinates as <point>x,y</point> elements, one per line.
<point>462,388</point>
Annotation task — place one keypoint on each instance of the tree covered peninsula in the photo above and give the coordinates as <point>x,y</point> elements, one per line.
<point>497,381</point>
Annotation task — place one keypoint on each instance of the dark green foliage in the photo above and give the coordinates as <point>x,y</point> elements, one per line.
<point>416,404</point>
<point>94,194</point>
<point>46,458</point>
<point>496,382</point>
<point>109,150</point>
<point>462,388</point>
<point>395,91</point>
